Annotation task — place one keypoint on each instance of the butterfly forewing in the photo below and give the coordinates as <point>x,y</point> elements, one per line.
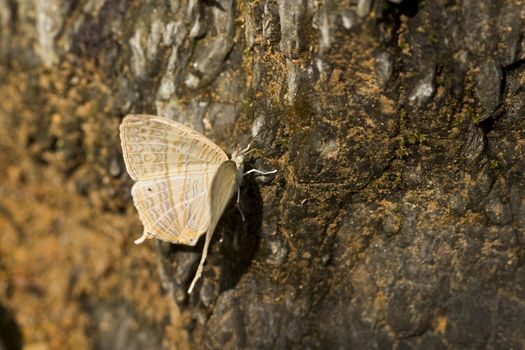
<point>174,167</point>
<point>155,147</point>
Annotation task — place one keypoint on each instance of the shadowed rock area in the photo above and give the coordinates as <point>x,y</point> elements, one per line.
<point>396,218</point>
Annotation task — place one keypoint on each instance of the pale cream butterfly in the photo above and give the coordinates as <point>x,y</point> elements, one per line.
<point>184,181</point>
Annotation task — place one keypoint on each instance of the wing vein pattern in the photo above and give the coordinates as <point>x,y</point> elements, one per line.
<point>173,167</point>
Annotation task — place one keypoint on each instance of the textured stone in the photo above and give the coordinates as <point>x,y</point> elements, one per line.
<point>363,7</point>
<point>349,19</point>
<point>50,18</point>
<point>488,89</point>
<point>395,218</point>
<point>138,58</point>
<point>383,68</point>
<point>290,16</point>
<point>424,88</point>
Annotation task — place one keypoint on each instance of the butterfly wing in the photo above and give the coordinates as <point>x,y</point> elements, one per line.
<point>223,186</point>
<point>174,167</point>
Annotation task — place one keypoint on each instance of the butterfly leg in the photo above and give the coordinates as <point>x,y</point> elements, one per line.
<point>238,205</point>
<point>259,172</point>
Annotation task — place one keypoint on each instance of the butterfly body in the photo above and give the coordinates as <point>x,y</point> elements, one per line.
<point>184,181</point>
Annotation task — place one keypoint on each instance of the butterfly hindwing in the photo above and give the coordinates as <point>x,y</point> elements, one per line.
<point>174,209</point>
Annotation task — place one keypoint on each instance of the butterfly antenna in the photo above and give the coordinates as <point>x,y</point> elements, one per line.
<point>247,150</point>
<point>263,152</point>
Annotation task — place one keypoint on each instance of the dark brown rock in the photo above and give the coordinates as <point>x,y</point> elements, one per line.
<point>396,218</point>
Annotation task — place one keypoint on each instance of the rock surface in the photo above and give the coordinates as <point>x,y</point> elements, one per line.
<point>396,218</point>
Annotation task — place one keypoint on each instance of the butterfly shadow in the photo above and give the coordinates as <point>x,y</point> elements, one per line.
<point>240,239</point>
<point>232,248</point>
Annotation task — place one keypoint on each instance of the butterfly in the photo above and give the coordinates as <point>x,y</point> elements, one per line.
<point>184,181</point>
